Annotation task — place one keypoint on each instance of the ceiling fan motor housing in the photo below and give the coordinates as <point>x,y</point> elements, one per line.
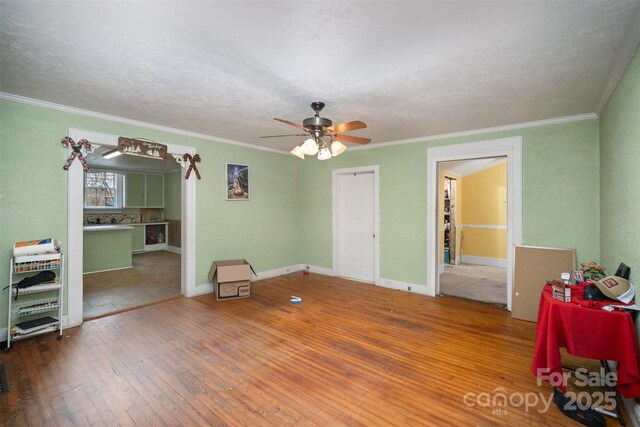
<point>316,122</point>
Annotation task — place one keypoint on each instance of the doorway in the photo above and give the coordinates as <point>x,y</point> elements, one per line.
<point>131,239</point>
<point>511,149</point>
<point>356,223</point>
<point>75,225</point>
<point>473,213</point>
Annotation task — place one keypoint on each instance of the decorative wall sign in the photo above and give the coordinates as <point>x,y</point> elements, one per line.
<point>142,148</point>
<point>192,164</point>
<point>237,182</point>
<point>76,151</point>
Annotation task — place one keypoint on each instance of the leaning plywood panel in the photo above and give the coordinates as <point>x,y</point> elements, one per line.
<point>533,266</point>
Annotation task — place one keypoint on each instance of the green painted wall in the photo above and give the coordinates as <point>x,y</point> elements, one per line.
<point>172,182</point>
<point>33,191</point>
<point>288,219</point>
<point>560,196</point>
<point>106,250</point>
<point>620,166</point>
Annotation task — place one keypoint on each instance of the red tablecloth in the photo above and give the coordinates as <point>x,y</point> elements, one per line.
<point>586,332</point>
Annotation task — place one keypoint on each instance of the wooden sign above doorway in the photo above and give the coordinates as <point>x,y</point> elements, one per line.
<point>142,148</point>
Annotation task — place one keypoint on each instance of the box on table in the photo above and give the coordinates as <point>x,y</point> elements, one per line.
<point>560,291</point>
<point>231,278</point>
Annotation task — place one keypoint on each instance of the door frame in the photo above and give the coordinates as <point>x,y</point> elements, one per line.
<point>75,239</point>
<point>511,148</point>
<point>375,169</point>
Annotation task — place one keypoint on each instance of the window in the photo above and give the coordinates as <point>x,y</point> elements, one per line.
<point>102,190</point>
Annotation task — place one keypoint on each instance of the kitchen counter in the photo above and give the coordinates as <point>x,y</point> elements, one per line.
<point>106,227</point>
<point>107,247</point>
<point>148,223</point>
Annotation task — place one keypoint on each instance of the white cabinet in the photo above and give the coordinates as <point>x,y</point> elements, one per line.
<point>147,237</point>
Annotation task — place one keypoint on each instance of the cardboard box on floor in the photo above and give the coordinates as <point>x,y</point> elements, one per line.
<point>231,278</point>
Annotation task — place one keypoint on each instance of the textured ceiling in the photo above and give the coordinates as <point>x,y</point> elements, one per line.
<point>225,69</point>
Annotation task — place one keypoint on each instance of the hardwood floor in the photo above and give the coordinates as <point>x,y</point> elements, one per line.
<point>350,354</point>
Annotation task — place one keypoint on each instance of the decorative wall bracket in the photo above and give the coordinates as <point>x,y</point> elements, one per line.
<point>179,160</point>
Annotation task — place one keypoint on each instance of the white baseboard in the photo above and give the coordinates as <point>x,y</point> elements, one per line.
<point>174,249</point>
<point>319,270</point>
<point>110,269</point>
<point>403,286</point>
<point>481,260</point>
<point>385,283</point>
<point>276,272</point>
<point>206,288</point>
<point>65,322</point>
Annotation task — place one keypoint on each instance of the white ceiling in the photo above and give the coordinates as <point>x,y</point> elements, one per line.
<point>469,167</point>
<point>407,69</point>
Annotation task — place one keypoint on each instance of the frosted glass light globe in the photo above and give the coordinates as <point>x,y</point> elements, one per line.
<point>310,147</point>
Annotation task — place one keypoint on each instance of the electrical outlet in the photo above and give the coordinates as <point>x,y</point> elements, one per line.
<point>409,288</point>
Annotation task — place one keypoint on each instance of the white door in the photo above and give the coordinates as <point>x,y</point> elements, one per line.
<point>357,226</point>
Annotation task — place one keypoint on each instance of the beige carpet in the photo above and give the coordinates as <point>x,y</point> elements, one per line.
<point>155,276</point>
<point>475,282</point>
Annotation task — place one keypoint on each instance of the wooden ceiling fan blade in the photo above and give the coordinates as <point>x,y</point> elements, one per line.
<point>280,136</point>
<point>352,139</point>
<point>287,122</point>
<point>348,126</point>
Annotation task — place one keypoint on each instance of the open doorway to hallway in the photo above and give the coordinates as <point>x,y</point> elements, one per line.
<point>472,223</point>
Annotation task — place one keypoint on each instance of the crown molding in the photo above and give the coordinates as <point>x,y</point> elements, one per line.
<point>59,107</point>
<point>524,125</point>
<point>628,51</point>
<point>88,113</point>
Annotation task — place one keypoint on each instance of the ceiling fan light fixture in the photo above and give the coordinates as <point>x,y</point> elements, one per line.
<point>297,151</point>
<point>323,135</point>
<point>324,154</point>
<point>310,147</point>
<point>111,154</point>
<point>337,148</point>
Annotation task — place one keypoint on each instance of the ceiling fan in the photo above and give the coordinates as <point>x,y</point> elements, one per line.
<point>324,137</point>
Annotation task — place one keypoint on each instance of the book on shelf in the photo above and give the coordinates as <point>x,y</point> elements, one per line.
<point>22,311</point>
<point>19,259</point>
<point>34,325</point>
<point>25,267</point>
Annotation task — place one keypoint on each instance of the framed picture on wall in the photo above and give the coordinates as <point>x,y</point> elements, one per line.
<point>237,181</point>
